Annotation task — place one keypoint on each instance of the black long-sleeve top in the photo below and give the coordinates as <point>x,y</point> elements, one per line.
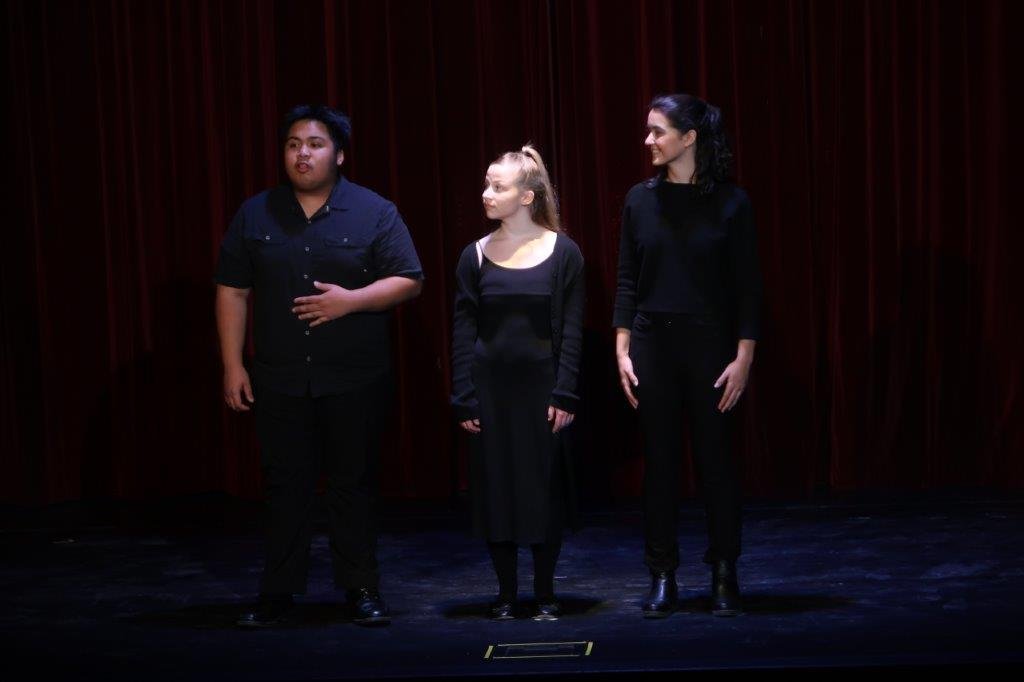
<point>684,252</point>
<point>567,306</point>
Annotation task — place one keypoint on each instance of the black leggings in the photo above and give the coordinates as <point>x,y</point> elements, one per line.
<point>545,556</point>
<point>505,555</point>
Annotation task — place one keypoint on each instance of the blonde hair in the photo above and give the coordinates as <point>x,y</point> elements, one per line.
<point>533,177</point>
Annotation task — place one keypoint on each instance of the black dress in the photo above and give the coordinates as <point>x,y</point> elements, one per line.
<point>516,460</point>
<point>517,338</point>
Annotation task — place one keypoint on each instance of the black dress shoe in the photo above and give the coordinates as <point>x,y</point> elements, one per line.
<point>503,608</point>
<point>547,610</point>
<point>270,611</point>
<point>664,596</point>
<point>725,589</point>
<point>367,607</point>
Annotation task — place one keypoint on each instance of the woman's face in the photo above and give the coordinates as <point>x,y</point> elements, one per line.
<point>502,196</point>
<point>666,143</point>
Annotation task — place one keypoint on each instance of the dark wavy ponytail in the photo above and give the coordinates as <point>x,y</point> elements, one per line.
<point>713,156</point>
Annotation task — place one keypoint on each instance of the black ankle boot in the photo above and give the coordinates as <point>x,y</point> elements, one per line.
<point>664,596</point>
<point>725,590</point>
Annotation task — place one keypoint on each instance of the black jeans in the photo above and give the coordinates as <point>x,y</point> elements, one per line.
<point>677,359</point>
<point>299,437</point>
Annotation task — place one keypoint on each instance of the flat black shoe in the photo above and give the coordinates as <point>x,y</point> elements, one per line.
<point>725,590</point>
<point>367,607</point>
<point>503,608</point>
<point>548,610</point>
<point>663,598</point>
<point>269,612</point>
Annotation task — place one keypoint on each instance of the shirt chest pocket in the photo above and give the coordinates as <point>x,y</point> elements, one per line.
<point>267,249</point>
<point>346,260</point>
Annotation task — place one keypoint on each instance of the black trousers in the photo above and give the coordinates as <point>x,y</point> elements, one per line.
<point>677,359</point>
<point>300,437</point>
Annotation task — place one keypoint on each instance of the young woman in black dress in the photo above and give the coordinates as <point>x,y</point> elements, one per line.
<point>687,317</point>
<point>515,360</point>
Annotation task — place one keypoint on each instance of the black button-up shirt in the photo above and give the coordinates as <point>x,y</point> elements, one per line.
<point>355,239</point>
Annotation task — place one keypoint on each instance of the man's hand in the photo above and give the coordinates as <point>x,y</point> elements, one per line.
<point>237,387</point>
<point>335,302</point>
<point>471,425</point>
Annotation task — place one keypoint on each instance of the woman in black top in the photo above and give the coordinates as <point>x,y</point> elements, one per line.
<point>687,317</point>
<point>515,360</point>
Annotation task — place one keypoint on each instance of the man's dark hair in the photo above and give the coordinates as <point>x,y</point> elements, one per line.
<point>335,121</point>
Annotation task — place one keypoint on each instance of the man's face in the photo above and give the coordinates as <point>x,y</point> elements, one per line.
<point>310,159</point>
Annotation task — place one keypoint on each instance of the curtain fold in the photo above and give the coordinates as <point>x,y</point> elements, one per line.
<point>876,140</point>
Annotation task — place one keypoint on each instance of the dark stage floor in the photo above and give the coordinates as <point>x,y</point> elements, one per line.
<point>152,592</point>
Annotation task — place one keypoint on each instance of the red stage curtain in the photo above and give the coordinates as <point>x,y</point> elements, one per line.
<point>875,138</point>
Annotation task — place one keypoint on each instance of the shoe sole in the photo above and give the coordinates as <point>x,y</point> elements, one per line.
<point>541,619</point>
<point>376,620</point>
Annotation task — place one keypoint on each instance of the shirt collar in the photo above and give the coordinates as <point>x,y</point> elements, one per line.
<point>339,198</point>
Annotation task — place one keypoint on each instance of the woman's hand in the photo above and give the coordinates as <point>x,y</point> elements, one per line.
<point>627,378</point>
<point>735,379</point>
<point>561,418</point>
<point>471,425</point>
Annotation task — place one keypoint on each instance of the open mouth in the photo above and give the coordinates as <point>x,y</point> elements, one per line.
<point>303,167</point>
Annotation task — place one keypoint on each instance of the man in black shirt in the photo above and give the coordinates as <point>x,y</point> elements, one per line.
<point>326,259</point>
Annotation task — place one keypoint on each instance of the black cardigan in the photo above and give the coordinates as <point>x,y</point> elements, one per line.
<point>567,302</point>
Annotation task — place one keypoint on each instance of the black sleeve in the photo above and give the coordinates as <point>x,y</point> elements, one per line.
<point>393,250</point>
<point>625,291</point>
<point>234,267</point>
<point>746,270</point>
<point>464,331</point>
<point>565,395</point>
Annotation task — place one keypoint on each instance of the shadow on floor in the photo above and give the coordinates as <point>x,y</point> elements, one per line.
<point>772,604</point>
<point>223,616</point>
<point>571,606</point>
